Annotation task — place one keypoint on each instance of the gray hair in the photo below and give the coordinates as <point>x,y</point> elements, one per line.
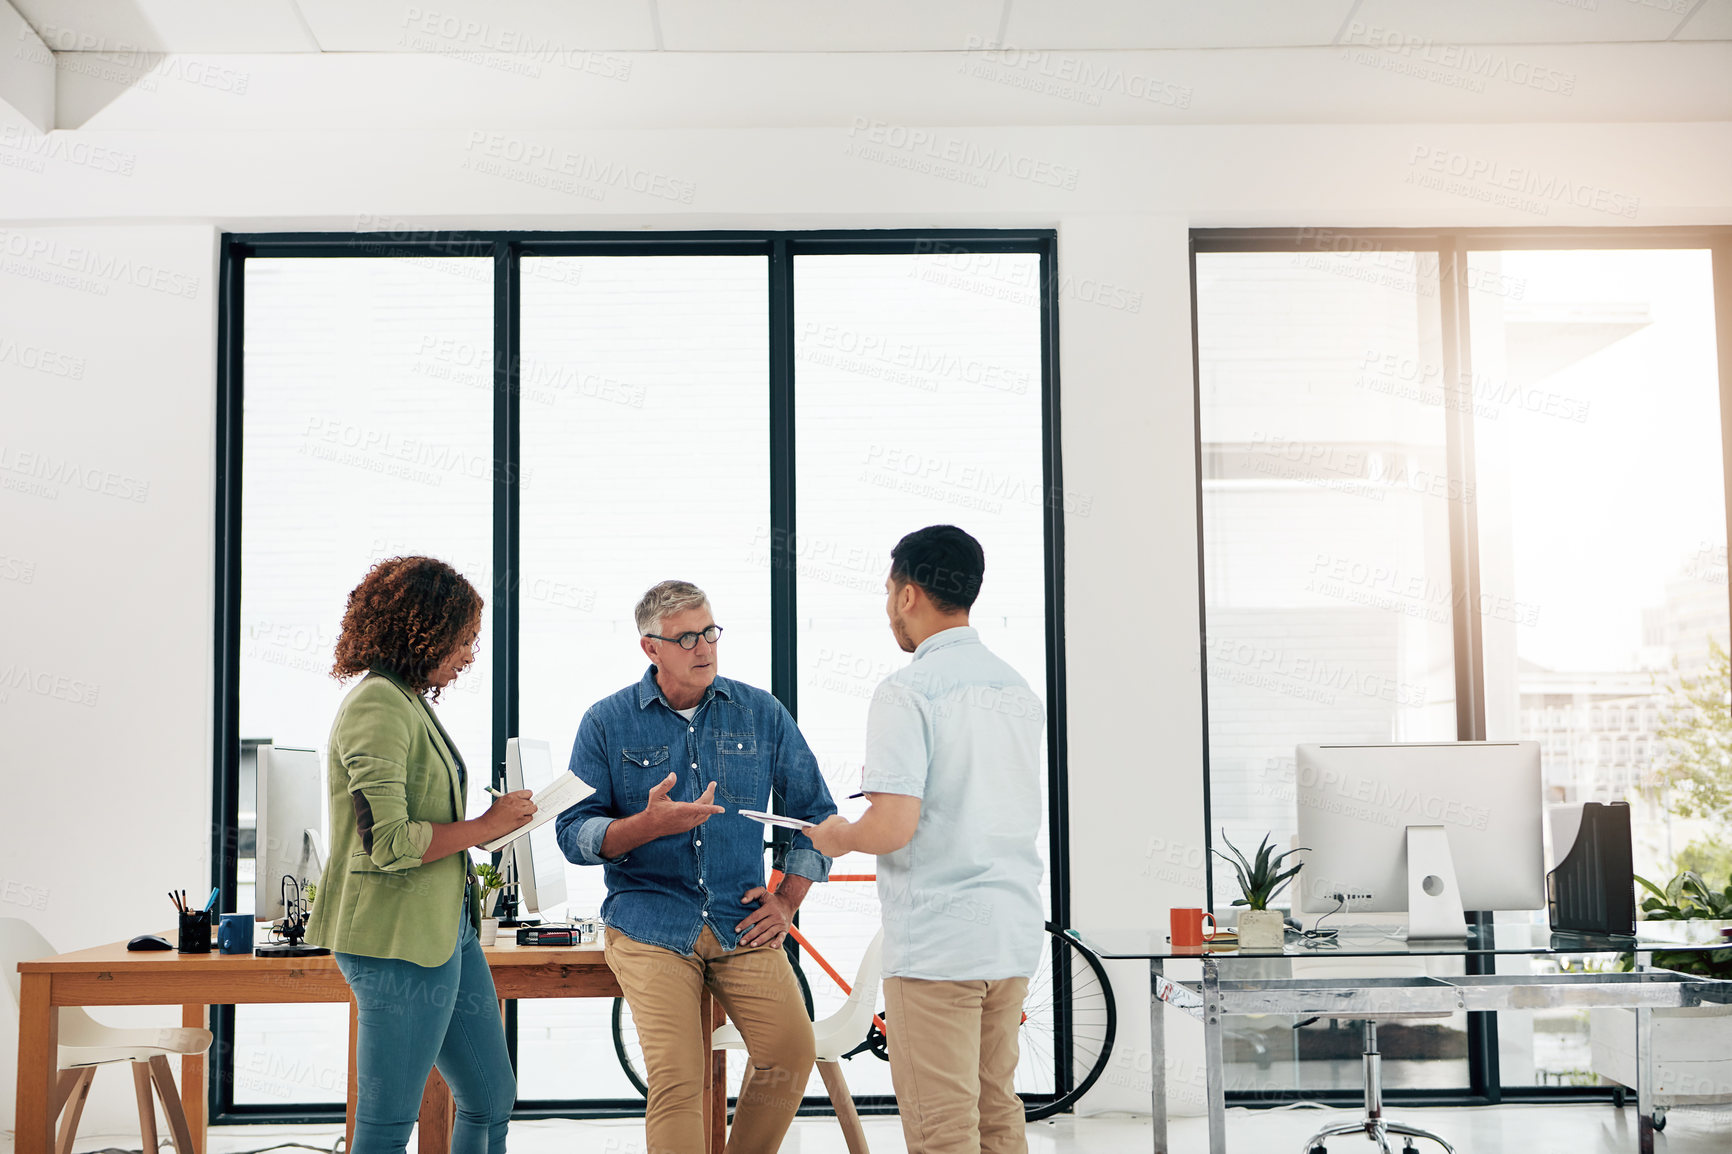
<point>667,597</point>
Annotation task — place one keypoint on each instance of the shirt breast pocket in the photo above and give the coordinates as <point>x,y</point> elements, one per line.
<point>739,776</point>
<point>645,766</point>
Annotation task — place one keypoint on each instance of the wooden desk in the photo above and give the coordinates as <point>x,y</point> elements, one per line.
<point>112,976</point>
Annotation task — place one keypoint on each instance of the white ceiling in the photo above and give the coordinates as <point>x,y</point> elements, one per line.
<point>271,26</point>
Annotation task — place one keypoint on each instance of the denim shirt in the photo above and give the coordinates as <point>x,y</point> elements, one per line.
<point>665,891</point>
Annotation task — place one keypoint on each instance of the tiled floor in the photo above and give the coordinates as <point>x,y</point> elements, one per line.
<point>1519,1129</point>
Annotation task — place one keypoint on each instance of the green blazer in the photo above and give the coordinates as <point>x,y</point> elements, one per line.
<point>392,772</point>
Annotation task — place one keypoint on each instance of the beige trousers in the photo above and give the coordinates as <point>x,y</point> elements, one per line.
<point>953,1054</point>
<point>757,989</point>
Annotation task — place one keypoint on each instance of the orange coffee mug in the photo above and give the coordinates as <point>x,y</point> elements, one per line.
<point>1188,928</point>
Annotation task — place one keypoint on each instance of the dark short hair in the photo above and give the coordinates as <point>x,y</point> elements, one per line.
<point>942,560</point>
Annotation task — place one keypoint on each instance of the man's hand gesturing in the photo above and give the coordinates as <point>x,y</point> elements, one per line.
<point>663,817</point>
<point>659,818</point>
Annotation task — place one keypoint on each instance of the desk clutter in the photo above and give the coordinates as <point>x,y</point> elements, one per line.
<point>193,926</point>
<point>579,933</point>
<point>197,930</point>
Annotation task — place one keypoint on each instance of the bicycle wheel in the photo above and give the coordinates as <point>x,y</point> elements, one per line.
<point>1093,1023</point>
<point>630,1053</point>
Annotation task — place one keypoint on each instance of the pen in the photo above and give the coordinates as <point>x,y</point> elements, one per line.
<point>210,901</point>
<point>175,900</point>
<point>492,791</point>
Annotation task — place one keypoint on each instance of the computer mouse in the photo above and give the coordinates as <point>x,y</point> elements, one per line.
<point>149,942</point>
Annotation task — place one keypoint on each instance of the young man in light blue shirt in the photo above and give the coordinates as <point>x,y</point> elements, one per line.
<point>953,778</point>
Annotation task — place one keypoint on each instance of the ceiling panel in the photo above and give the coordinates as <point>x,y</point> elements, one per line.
<point>1712,22</point>
<point>533,28</point>
<point>546,28</point>
<point>1519,21</point>
<point>1133,24</point>
<point>120,26</point>
<point>875,94</point>
<point>828,25</point>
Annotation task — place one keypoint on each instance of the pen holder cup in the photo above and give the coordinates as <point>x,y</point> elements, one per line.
<point>195,932</point>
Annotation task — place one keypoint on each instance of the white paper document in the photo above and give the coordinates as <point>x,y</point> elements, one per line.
<point>777,819</point>
<point>550,801</point>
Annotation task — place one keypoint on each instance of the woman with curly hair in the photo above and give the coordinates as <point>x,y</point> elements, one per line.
<point>399,905</point>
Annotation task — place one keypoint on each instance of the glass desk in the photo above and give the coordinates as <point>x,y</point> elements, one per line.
<point>1221,994</point>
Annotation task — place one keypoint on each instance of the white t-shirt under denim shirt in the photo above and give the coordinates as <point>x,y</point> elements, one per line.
<point>961,730</point>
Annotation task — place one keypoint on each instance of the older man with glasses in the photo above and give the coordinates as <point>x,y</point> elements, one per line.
<point>686,903</point>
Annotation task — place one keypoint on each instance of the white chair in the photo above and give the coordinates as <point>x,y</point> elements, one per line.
<point>86,1044</point>
<point>835,1036</point>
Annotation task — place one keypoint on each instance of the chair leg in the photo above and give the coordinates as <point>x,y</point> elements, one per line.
<point>146,1105</point>
<point>63,1090</point>
<point>74,1107</point>
<point>178,1129</point>
<point>1339,1129</point>
<point>1415,1132</point>
<point>1373,1060</point>
<point>849,1119</point>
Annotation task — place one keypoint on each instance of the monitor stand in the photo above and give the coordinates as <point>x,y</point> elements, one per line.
<point>1434,909</point>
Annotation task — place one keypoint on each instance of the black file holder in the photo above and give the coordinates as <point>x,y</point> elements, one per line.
<point>1593,890</point>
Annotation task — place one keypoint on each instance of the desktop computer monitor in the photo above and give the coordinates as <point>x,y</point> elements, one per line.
<point>1357,802</point>
<point>290,837</point>
<point>540,865</point>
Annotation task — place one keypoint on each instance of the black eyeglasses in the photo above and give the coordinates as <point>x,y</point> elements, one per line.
<point>690,640</point>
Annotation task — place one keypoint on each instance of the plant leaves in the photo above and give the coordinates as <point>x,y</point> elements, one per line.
<point>1262,879</point>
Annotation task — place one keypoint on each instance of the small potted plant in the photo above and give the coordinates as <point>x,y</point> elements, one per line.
<point>492,881</point>
<point>1260,928</point>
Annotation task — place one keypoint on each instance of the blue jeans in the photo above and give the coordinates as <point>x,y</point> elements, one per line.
<point>413,1018</point>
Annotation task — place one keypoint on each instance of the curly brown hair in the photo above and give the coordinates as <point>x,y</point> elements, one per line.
<point>406,616</point>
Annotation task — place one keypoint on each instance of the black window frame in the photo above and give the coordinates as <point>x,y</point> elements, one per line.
<point>1452,248</point>
<point>507,248</point>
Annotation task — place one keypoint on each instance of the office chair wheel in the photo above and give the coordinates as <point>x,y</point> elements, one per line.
<point>1410,1148</point>
<point>1318,1149</point>
<point>1659,1117</point>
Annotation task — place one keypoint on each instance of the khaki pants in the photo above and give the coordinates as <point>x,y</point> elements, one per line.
<point>953,1054</point>
<point>757,989</point>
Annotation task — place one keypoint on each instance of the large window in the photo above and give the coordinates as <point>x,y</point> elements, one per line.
<point>354,451</point>
<point>1602,544</point>
<point>1458,487</point>
<point>917,391</point>
<point>644,432</point>
<point>569,420</point>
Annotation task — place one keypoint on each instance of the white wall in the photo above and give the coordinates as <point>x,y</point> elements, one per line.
<point>107,353</point>
<point>107,249</point>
